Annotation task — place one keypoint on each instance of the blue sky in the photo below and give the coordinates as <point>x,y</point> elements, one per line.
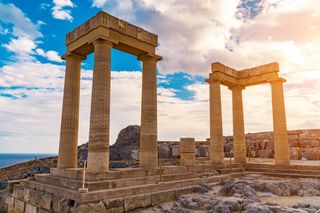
<point>192,35</point>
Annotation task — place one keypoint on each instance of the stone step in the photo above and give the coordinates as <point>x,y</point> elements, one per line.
<point>119,192</point>
<point>286,175</point>
<point>293,166</point>
<point>231,170</point>
<point>110,184</point>
<point>285,170</point>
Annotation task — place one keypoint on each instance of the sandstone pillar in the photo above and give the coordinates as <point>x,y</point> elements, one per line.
<point>98,151</point>
<point>67,157</point>
<point>239,141</point>
<point>216,134</point>
<point>281,146</point>
<point>148,158</point>
<point>187,151</point>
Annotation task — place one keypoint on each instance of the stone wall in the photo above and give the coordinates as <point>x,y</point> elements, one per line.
<point>304,144</point>
<point>28,168</point>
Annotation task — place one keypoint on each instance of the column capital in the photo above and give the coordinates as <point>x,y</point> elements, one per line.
<point>102,40</point>
<point>73,56</point>
<point>213,80</point>
<point>150,57</point>
<point>236,87</point>
<point>278,80</point>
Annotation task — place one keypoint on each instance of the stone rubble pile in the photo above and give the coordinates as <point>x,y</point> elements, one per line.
<point>245,196</point>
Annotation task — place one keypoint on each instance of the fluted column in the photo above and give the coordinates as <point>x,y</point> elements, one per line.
<point>67,157</point>
<point>239,141</point>
<point>148,133</point>
<point>216,133</point>
<point>281,146</point>
<point>98,154</point>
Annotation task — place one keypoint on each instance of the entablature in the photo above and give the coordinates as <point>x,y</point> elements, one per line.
<point>247,77</point>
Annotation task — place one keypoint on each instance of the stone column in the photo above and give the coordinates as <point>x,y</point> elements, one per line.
<point>239,140</point>
<point>67,157</point>
<point>216,134</point>
<point>98,153</point>
<point>281,146</point>
<point>148,158</point>
<point>187,151</point>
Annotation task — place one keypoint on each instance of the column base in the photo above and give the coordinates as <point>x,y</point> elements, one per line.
<point>98,162</point>
<point>282,162</point>
<point>217,158</point>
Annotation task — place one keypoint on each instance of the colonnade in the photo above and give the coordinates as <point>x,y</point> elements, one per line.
<point>98,151</point>
<point>281,147</point>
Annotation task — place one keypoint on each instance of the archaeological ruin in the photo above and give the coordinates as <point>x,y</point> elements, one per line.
<point>237,81</point>
<point>97,188</point>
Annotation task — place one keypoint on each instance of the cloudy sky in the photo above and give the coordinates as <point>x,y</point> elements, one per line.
<point>192,35</point>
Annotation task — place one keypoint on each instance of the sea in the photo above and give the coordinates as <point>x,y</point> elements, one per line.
<point>9,159</point>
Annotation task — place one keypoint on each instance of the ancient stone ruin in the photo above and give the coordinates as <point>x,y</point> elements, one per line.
<point>98,188</point>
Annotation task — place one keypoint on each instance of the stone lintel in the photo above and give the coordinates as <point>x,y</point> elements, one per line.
<point>149,56</point>
<point>104,38</point>
<point>247,77</point>
<point>83,45</point>
<point>236,87</point>
<point>259,70</point>
<point>103,19</point>
<point>280,79</point>
<point>73,55</point>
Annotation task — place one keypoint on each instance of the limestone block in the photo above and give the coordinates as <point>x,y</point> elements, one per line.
<point>175,150</point>
<point>187,145</point>
<point>137,201</point>
<point>82,209</point>
<point>46,201</point>
<point>118,202</point>
<point>10,209</point>
<point>30,208</point>
<point>182,191</point>
<point>26,194</point>
<point>187,159</point>
<point>32,197</point>
<point>161,197</point>
<point>97,207</point>
<point>43,211</point>
<point>20,205</point>
<point>18,192</point>
<point>62,206</point>
<point>9,201</point>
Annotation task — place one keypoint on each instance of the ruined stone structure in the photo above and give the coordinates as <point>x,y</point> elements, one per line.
<point>99,35</point>
<point>100,189</point>
<point>236,81</point>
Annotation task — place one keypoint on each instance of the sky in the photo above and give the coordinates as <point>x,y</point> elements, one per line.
<point>192,35</point>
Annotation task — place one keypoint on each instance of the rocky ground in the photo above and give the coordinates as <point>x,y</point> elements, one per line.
<point>250,194</point>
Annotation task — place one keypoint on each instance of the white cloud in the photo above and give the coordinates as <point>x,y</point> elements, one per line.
<point>22,47</point>
<point>25,34</point>
<point>21,44</point>
<point>50,55</point>
<point>22,25</point>
<point>99,3</point>
<point>59,11</point>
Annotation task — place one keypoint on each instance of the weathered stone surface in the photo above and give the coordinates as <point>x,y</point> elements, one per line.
<point>46,201</point>
<point>43,211</point>
<point>182,191</point>
<point>137,201</point>
<point>30,208</point>
<point>18,204</point>
<point>9,200</point>
<point>118,202</point>
<point>161,197</point>
<point>18,192</point>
